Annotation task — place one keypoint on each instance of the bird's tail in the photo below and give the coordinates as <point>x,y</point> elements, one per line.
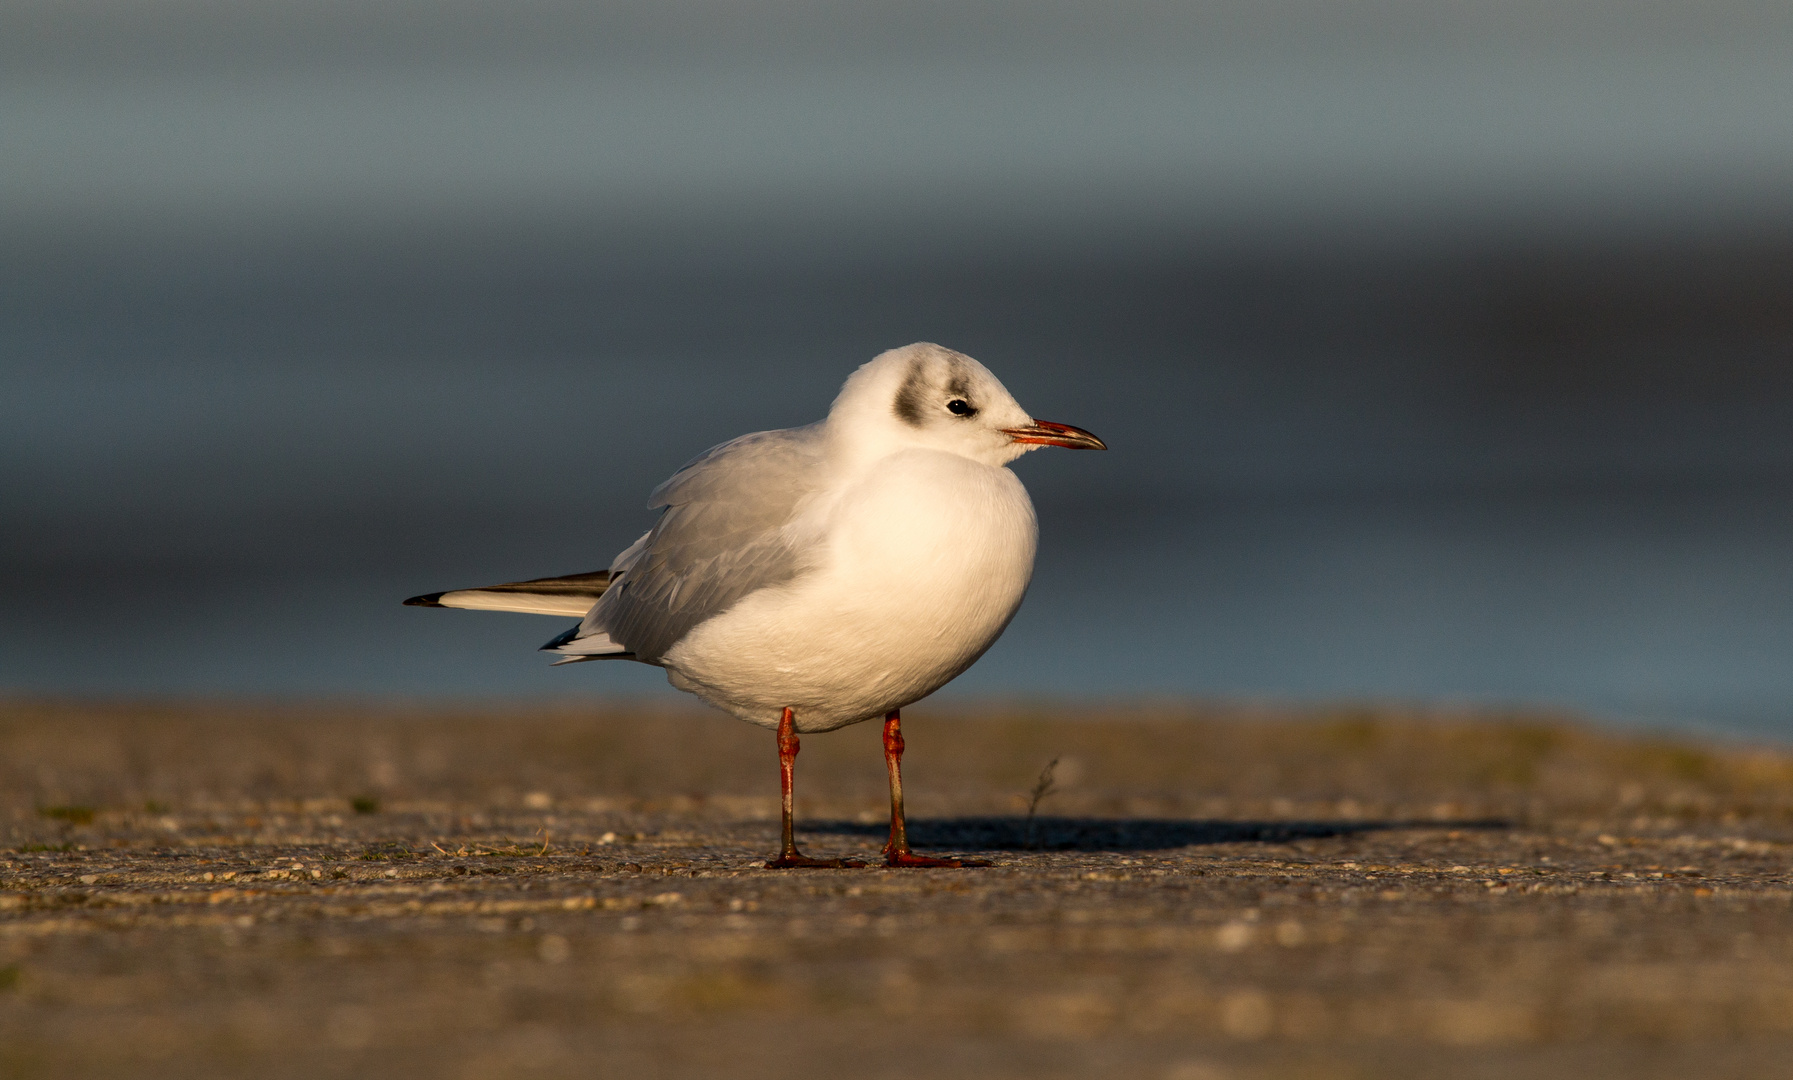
<point>572,595</point>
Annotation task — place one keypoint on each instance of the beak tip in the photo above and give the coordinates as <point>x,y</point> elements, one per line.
<point>1047,433</point>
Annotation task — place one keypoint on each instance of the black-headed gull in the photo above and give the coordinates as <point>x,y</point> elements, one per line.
<point>816,577</point>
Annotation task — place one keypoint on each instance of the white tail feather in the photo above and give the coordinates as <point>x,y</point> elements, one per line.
<point>481,600</point>
<point>571,595</point>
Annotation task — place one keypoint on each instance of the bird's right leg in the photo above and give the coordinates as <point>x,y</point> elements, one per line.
<point>789,857</point>
<point>896,851</point>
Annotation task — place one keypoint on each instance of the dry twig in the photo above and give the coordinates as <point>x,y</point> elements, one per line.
<point>1042,787</point>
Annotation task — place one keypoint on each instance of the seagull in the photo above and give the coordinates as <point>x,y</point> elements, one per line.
<point>813,577</point>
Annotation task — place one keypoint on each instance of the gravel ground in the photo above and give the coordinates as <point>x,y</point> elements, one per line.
<point>226,890</point>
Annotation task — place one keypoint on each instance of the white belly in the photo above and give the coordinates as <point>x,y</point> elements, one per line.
<point>924,562</point>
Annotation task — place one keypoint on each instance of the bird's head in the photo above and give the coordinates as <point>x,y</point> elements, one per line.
<point>930,396</point>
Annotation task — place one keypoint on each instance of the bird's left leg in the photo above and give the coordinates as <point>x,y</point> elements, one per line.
<point>896,851</point>
<point>788,856</point>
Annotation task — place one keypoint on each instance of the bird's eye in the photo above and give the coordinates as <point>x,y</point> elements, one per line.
<point>960,407</point>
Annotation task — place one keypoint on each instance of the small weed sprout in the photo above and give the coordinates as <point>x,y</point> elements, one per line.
<point>365,804</point>
<point>1042,787</point>
<point>74,815</point>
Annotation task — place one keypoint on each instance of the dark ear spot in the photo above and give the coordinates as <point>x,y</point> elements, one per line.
<point>958,381</point>
<point>910,397</point>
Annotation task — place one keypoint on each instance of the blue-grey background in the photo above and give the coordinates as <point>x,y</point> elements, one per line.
<point>1446,351</point>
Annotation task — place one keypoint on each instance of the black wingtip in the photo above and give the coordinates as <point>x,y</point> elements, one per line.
<point>562,638</point>
<point>426,600</point>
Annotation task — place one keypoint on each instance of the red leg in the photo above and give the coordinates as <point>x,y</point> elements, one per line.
<point>896,851</point>
<point>789,857</point>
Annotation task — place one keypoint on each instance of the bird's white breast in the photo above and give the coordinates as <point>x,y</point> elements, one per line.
<point>924,558</point>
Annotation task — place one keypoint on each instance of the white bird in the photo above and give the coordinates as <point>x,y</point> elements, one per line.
<point>814,577</point>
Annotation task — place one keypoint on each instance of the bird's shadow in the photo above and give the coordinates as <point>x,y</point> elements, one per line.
<point>1018,833</point>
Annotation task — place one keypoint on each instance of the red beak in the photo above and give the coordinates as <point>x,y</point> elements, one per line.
<point>1047,433</point>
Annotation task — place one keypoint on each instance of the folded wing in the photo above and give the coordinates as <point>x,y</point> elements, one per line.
<point>720,538</point>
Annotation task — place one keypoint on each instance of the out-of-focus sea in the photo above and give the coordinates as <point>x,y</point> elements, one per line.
<point>1543,475</point>
<point>1445,351</point>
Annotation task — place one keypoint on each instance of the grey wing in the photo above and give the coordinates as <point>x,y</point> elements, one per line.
<point>720,537</point>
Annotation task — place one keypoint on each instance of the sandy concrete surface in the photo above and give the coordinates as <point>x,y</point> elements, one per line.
<point>237,890</point>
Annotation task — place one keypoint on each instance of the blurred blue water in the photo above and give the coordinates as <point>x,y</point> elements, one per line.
<point>1641,613</point>
<point>1445,353</point>
<point>1556,478</point>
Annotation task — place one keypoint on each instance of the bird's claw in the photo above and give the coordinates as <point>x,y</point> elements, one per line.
<point>796,860</point>
<point>910,860</point>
